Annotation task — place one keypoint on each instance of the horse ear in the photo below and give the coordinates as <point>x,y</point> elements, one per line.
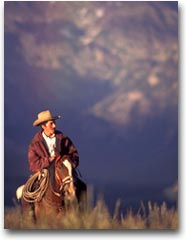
<point>57,159</point>
<point>60,158</point>
<point>65,157</point>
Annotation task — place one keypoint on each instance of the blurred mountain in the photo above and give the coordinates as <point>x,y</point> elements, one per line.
<point>133,46</point>
<point>111,69</point>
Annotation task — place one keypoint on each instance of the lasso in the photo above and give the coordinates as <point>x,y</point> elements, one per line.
<point>37,194</point>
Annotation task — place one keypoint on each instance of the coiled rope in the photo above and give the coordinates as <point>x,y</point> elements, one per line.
<point>35,195</point>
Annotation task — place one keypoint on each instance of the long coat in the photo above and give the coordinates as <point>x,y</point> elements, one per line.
<point>38,155</point>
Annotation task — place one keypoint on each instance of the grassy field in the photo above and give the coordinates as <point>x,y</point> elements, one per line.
<point>98,216</point>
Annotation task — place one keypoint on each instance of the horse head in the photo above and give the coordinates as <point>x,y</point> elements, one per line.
<point>63,175</point>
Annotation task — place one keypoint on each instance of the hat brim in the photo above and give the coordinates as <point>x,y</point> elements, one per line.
<point>40,121</point>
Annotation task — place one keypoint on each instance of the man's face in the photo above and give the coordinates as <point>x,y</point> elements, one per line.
<point>49,128</point>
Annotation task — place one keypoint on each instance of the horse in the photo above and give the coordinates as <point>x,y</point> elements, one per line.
<point>60,192</point>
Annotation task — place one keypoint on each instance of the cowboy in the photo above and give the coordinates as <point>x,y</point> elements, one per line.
<point>49,144</point>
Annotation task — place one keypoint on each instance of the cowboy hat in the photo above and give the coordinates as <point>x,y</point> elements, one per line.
<point>44,117</point>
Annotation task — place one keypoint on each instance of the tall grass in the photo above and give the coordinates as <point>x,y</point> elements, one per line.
<point>99,217</point>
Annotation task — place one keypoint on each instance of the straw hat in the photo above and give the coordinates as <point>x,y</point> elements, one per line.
<point>44,117</point>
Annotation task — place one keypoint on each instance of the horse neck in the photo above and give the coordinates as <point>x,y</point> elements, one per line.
<point>53,189</point>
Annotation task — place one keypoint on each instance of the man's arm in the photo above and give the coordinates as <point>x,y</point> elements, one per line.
<point>37,160</point>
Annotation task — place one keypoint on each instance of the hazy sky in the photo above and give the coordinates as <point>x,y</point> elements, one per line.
<point>111,70</point>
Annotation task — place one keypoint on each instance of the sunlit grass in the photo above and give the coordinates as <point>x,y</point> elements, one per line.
<point>99,217</point>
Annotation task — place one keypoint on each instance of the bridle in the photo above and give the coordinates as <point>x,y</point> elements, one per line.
<point>60,193</point>
<point>63,182</point>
